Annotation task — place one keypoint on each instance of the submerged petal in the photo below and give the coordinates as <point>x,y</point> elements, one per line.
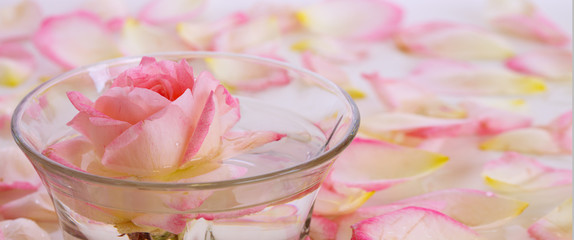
<point>551,64</point>
<point>75,39</point>
<point>412,223</point>
<point>556,225</point>
<point>357,20</point>
<point>20,20</point>
<point>452,40</point>
<point>514,172</point>
<point>170,11</point>
<point>374,165</point>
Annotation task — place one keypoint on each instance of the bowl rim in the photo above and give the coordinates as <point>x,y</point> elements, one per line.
<point>320,159</point>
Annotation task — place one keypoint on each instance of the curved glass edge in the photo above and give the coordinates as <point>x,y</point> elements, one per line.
<point>316,161</point>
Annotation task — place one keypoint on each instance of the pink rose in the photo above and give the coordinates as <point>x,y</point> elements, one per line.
<point>155,118</point>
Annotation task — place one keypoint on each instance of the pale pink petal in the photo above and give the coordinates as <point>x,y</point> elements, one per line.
<point>76,39</point>
<point>551,64</point>
<point>463,78</point>
<point>337,200</point>
<point>36,206</point>
<point>334,49</point>
<point>17,175</point>
<point>170,11</point>
<point>374,165</point>
<point>561,129</point>
<point>148,148</point>
<point>284,13</point>
<point>357,20</point>
<point>199,35</point>
<point>412,223</point>
<point>452,40</point>
<point>22,229</point>
<point>174,223</point>
<point>255,33</point>
<point>322,228</point>
<point>114,12</point>
<point>514,172</point>
<point>491,120</point>
<point>247,76</point>
<point>130,105</point>
<point>325,68</point>
<point>235,142</point>
<point>533,26</point>
<point>20,20</point>
<point>525,140</point>
<point>139,38</point>
<point>16,64</point>
<point>405,96</point>
<point>69,152</point>
<point>556,225</point>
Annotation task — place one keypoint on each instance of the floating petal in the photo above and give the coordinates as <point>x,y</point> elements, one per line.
<point>374,165</point>
<point>20,20</point>
<point>465,79</point>
<point>452,40</point>
<point>412,223</point>
<point>357,20</point>
<point>170,11</point>
<point>140,38</point>
<point>526,140</point>
<point>551,64</point>
<point>556,225</point>
<point>514,172</point>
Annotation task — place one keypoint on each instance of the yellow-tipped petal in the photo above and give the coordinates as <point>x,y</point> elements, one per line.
<point>300,46</point>
<point>526,140</point>
<point>355,93</point>
<point>531,85</point>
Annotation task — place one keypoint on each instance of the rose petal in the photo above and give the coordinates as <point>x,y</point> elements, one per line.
<point>114,12</point>
<point>526,140</point>
<point>412,223</point>
<point>16,64</point>
<point>236,142</point>
<point>17,175</point>
<point>333,201</point>
<point>331,48</point>
<point>490,210</point>
<point>561,129</point>
<point>551,64</point>
<point>170,11</point>
<point>374,165</point>
<point>36,206</point>
<point>452,40</point>
<point>464,79</point>
<point>285,15</point>
<point>75,39</point>
<point>514,172</point>
<point>357,20</point>
<point>556,225</point>
<point>140,38</point>
<point>491,120</point>
<point>130,105</point>
<point>258,33</point>
<point>322,228</point>
<point>20,20</point>
<point>247,76</point>
<point>174,223</point>
<point>331,71</point>
<point>21,229</point>
<point>199,35</point>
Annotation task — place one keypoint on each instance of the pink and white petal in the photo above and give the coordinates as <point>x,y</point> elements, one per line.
<point>148,148</point>
<point>331,48</point>
<point>130,105</point>
<point>561,129</point>
<point>70,152</point>
<point>325,68</point>
<point>374,165</point>
<point>13,72</point>
<point>514,172</point>
<point>525,140</point>
<point>22,229</point>
<point>200,35</point>
<point>452,40</point>
<point>412,223</point>
<point>170,11</point>
<point>75,39</point>
<point>491,120</point>
<point>284,13</point>
<point>114,12</point>
<point>247,76</point>
<point>139,38</point>
<point>323,228</point>
<point>338,200</point>
<point>256,33</point>
<point>20,20</point>
<point>533,26</point>
<point>465,79</point>
<point>36,206</point>
<point>236,142</point>
<point>551,64</point>
<point>17,175</point>
<point>556,225</point>
<point>358,20</point>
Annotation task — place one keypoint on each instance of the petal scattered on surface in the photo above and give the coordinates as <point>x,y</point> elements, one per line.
<point>412,223</point>
<point>533,26</point>
<point>114,12</point>
<point>463,78</point>
<point>551,64</point>
<point>200,35</point>
<point>140,38</point>
<point>333,201</point>
<point>357,20</point>
<point>75,39</point>
<point>452,40</point>
<point>525,140</point>
<point>374,165</point>
<point>561,129</point>
<point>331,71</point>
<point>490,120</point>
<point>259,34</point>
<point>17,175</point>
<point>331,48</point>
<point>20,20</point>
<point>21,229</point>
<point>36,206</point>
<point>170,11</point>
<point>556,225</point>
<point>16,64</point>
<point>514,172</point>
<point>322,228</point>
